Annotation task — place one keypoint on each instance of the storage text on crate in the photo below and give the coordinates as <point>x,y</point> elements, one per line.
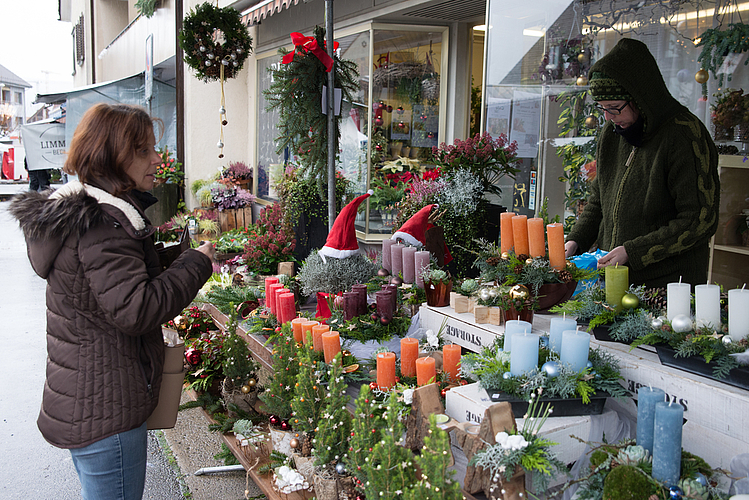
<point>632,386</point>
<point>455,333</point>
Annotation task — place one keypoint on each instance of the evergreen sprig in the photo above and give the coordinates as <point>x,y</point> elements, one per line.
<point>224,297</point>
<point>309,395</point>
<point>717,44</point>
<point>296,93</point>
<point>281,382</point>
<point>331,439</point>
<point>365,433</point>
<point>436,482</point>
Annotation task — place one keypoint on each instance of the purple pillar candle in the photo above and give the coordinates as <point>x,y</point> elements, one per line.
<point>409,263</point>
<point>421,262</point>
<point>647,397</point>
<point>394,298</point>
<point>361,290</point>
<point>384,304</point>
<point>396,258</point>
<point>350,305</point>
<point>386,262</point>
<point>669,418</point>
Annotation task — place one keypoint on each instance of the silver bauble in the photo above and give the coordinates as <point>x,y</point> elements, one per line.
<point>545,342</point>
<point>340,468</point>
<point>208,63</point>
<point>507,375</point>
<point>222,110</point>
<point>484,294</point>
<point>234,56</point>
<point>681,323</point>
<point>493,292</point>
<point>657,323</point>
<point>551,368</point>
<point>210,55</point>
<point>219,144</point>
<point>727,340</point>
<point>202,48</point>
<point>235,64</point>
<point>589,364</point>
<point>700,478</point>
<point>225,62</point>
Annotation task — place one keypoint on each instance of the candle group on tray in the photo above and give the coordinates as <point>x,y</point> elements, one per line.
<point>398,258</point>
<point>659,431</point>
<point>526,237</point>
<point>423,368</point>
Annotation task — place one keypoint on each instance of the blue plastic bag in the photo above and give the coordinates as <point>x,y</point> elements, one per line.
<point>589,261</point>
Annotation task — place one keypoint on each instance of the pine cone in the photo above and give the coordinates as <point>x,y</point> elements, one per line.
<point>493,261</point>
<point>655,299</point>
<point>565,276</point>
<point>518,269</point>
<point>523,257</point>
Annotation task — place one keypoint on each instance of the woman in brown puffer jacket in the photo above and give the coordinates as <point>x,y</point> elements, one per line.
<point>106,298</point>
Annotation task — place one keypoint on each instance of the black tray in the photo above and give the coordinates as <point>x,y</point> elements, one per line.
<point>569,407</point>
<point>737,377</point>
<point>601,333</point>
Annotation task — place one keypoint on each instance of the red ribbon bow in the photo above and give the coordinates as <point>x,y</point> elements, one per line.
<point>309,44</point>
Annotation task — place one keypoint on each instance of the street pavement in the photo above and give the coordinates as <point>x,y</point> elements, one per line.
<point>32,468</point>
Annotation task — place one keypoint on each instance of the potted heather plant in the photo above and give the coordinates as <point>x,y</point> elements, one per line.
<point>437,285</point>
<point>239,174</point>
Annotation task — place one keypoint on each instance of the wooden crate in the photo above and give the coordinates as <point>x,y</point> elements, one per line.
<point>234,218</point>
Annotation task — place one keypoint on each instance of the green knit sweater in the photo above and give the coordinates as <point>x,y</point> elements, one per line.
<point>660,200</point>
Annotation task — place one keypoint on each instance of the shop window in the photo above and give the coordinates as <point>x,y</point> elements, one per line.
<point>18,97</point>
<point>6,95</point>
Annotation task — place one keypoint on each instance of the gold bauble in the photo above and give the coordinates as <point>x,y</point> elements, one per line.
<point>246,389</point>
<point>294,443</point>
<point>505,255</point>
<point>701,76</point>
<point>591,122</point>
<point>582,81</point>
<point>582,57</point>
<point>529,261</point>
<point>180,322</point>
<point>252,382</point>
<point>630,301</point>
<point>519,292</point>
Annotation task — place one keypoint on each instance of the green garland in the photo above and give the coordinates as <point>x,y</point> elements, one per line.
<point>146,8</point>
<point>363,328</point>
<point>717,44</point>
<point>204,51</point>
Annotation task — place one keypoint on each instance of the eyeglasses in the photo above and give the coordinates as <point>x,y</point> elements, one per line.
<point>612,111</point>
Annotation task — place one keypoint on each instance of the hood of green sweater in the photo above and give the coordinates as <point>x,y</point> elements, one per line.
<point>632,65</point>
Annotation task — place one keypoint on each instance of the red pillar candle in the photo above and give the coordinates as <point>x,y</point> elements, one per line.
<point>307,329</point>
<point>268,282</point>
<point>317,332</point>
<point>385,370</point>
<point>350,305</point>
<point>555,234</point>
<point>536,242</point>
<point>409,355</point>
<point>520,234</point>
<point>505,231</point>
<point>384,304</point>
<point>286,306</point>
<point>361,291</point>
<point>425,371</point>
<point>296,325</point>
<point>331,345</point>
<point>451,361</point>
<point>394,298</point>
<point>270,297</point>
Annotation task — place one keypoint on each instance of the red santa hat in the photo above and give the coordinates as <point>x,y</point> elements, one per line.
<point>341,242</point>
<point>414,230</point>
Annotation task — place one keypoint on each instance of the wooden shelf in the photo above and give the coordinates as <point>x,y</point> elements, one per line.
<point>733,249</point>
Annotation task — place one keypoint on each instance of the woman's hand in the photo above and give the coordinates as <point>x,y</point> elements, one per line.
<point>207,248</point>
<point>617,256</point>
<point>570,249</point>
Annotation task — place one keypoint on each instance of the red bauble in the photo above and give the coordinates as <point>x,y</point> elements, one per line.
<point>274,420</point>
<point>378,147</point>
<point>384,320</point>
<point>338,302</point>
<point>383,272</point>
<point>285,425</point>
<point>378,121</point>
<point>192,356</point>
<point>373,385</point>
<point>443,392</point>
<point>389,109</point>
<point>374,317</point>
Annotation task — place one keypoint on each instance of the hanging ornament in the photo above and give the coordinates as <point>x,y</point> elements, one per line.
<point>582,57</point>
<point>294,443</point>
<point>582,81</point>
<point>208,63</point>
<point>202,48</point>
<point>219,144</point>
<point>378,121</point>
<point>701,76</point>
<point>401,124</point>
<point>591,122</point>
<point>210,55</point>
<point>400,110</point>
<point>340,468</point>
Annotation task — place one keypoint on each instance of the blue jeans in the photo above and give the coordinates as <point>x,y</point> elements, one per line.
<point>115,467</point>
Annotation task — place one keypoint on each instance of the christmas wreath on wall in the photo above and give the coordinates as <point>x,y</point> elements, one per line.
<point>213,38</point>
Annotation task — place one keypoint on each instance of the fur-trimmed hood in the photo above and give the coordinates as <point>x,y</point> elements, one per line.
<point>48,219</point>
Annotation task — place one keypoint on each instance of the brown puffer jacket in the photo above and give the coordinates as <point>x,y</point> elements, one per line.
<point>106,300</point>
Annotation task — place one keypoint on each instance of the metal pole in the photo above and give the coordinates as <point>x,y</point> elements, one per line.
<point>331,115</point>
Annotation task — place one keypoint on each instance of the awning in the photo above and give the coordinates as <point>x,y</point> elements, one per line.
<point>264,9</point>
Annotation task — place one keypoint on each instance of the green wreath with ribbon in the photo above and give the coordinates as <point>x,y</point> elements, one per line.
<point>215,42</point>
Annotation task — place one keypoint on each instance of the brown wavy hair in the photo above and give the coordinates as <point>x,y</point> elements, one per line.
<point>105,142</point>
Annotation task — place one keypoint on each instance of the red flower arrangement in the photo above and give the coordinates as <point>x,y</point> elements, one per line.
<point>273,242</point>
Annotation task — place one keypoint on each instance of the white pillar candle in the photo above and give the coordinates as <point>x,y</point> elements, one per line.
<point>738,313</point>
<point>678,296</point>
<point>524,355</point>
<point>514,326</point>
<point>707,306</point>
<point>556,328</point>
<point>409,263</point>
<point>421,262</point>
<point>575,347</point>
<point>386,262</point>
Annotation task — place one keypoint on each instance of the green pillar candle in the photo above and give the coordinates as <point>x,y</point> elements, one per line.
<point>617,284</point>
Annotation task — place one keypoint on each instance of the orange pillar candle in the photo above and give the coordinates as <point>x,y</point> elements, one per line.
<point>451,361</point>
<point>425,371</point>
<point>536,241</point>
<point>317,332</point>
<point>385,370</point>
<point>296,325</point>
<point>331,345</point>
<point>409,355</point>
<point>505,231</point>
<point>307,329</point>
<point>555,235</point>
<point>520,234</point>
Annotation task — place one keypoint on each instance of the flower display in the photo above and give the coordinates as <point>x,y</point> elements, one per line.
<point>273,242</point>
<point>236,172</point>
<point>169,170</point>
<point>225,198</point>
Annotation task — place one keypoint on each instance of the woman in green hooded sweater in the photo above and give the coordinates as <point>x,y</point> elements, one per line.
<point>654,201</point>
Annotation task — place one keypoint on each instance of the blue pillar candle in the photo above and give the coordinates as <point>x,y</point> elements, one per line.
<point>575,347</point>
<point>669,418</point>
<point>647,397</point>
<point>514,326</point>
<point>559,325</point>
<point>524,354</point>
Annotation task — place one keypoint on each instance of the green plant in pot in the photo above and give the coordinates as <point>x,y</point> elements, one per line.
<point>437,285</point>
<point>730,110</point>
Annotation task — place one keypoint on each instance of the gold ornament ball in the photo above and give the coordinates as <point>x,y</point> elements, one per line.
<point>246,389</point>
<point>582,81</point>
<point>252,382</point>
<point>519,292</point>
<point>294,443</point>
<point>582,57</point>
<point>591,122</point>
<point>630,301</point>
<point>505,255</point>
<point>529,261</point>
<point>701,76</point>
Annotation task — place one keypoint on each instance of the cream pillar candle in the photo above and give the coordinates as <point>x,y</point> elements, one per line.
<point>678,297</point>
<point>738,313</point>
<point>707,306</point>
